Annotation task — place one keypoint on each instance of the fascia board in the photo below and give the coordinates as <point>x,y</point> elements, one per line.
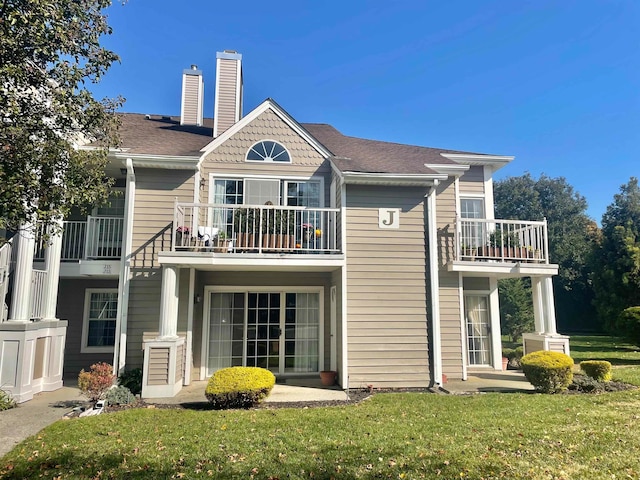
<point>454,170</point>
<point>359,178</point>
<point>170,162</point>
<point>495,161</point>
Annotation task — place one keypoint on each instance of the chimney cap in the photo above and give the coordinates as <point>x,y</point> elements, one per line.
<point>193,70</point>
<point>229,55</point>
<point>194,67</point>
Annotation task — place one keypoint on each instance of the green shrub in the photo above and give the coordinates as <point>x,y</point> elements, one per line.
<point>95,383</point>
<point>239,387</point>
<point>548,372</point>
<point>119,395</point>
<point>513,355</point>
<point>6,401</point>
<point>132,379</point>
<point>628,324</point>
<point>599,370</point>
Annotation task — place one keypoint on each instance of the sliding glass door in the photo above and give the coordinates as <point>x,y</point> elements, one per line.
<point>278,330</point>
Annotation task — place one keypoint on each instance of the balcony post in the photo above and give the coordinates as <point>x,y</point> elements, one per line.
<point>169,303</point>
<point>550,311</point>
<point>52,256</point>
<point>23,272</point>
<point>538,306</point>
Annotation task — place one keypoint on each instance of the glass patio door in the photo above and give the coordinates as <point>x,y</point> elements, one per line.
<point>279,331</point>
<point>478,329</point>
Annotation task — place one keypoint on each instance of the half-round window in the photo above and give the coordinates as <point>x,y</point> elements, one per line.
<point>268,151</point>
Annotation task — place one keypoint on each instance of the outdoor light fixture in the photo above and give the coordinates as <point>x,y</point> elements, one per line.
<point>123,171</point>
<point>197,298</point>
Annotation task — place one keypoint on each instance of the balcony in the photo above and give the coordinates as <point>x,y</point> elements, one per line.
<point>483,245</point>
<point>97,238</point>
<point>256,229</point>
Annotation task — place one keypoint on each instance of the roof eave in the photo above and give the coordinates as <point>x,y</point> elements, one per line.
<point>168,162</point>
<point>392,179</point>
<point>494,161</point>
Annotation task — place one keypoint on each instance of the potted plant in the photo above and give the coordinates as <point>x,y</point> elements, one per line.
<point>328,377</point>
<point>246,224</point>
<point>222,245</point>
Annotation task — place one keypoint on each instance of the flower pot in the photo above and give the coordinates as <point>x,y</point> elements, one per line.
<point>505,363</point>
<point>328,377</point>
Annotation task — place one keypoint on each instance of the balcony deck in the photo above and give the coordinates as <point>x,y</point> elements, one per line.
<point>259,236</point>
<point>501,247</point>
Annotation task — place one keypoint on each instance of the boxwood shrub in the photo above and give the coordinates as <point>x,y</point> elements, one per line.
<point>239,387</point>
<point>548,372</point>
<point>628,324</point>
<point>599,370</point>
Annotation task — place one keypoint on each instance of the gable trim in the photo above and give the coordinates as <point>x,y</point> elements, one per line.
<point>268,104</point>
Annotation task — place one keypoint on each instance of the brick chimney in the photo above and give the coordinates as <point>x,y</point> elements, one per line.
<point>228,99</point>
<point>192,96</point>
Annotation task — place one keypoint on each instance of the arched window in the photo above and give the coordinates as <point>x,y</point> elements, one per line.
<point>268,151</point>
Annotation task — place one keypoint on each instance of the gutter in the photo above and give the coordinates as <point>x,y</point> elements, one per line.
<point>120,347</point>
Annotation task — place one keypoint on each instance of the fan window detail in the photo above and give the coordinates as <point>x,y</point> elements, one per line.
<point>268,151</point>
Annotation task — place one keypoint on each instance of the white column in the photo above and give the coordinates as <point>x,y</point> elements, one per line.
<point>23,273</point>
<point>550,307</point>
<point>169,303</point>
<point>538,306</point>
<point>434,279</point>
<point>52,256</point>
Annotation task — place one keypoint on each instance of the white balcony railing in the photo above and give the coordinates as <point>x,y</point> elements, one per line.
<point>38,281</point>
<point>501,240</point>
<point>95,238</point>
<point>255,228</point>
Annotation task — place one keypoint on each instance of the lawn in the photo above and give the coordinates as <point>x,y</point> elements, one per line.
<point>399,435</point>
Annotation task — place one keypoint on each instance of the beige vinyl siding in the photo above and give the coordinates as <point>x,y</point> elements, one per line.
<point>180,352</point>
<point>158,366</point>
<point>71,296</point>
<point>472,181</point>
<point>476,283</point>
<point>336,280</point>
<point>156,191</point>
<point>191,99</point>
<point>227,107</point>
<point>450,314</point>
<point>387,322</point>
<point>229,158</point>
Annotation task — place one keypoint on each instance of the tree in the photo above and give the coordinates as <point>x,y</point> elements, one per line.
<point>571,238</point>
<point>516,307</point>
<point>616,259</point>
<point>49,51</point>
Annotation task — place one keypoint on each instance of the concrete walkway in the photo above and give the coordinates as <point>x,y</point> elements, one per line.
<point>510,381</point>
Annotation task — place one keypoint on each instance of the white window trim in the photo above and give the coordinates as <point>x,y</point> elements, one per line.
<point>84,348</point>
<point>283,178</point>
<point>289,162</point>
<point>208,290</point>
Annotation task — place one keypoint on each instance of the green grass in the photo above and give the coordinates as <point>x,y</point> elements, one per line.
<point>404,435</point>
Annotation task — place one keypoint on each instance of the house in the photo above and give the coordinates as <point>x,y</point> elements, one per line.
<point>263,241</point>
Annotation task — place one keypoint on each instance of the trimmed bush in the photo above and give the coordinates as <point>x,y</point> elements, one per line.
<point>548,372</point>
<point>599,370</point>
<point>132,379</point>
<point>239,387</point>
<point>628,324</point>
<point>119,395</point>
<point>95,383</point>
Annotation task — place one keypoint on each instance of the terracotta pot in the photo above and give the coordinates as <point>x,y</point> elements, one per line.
<point>328,377</point>
<point>505,363</point>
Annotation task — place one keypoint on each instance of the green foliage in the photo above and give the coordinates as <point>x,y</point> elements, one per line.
<point>572,235</point>
<point>6,401</point>
<point>516,307</point>
<point>119,395</point>
<point>48,51</point>
<point>628,324</point>
<point>132,379</point>
<point>616,260</point>
<point>95,383</point>
<point>599,370</point>
<point>548,372</point>
<point>239,387</point>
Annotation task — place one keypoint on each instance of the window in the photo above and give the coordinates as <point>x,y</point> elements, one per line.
<point>99,324</point>
<point>473,233</point>
<point>268,151</point>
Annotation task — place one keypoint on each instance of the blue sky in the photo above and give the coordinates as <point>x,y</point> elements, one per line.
<point>554,82</point>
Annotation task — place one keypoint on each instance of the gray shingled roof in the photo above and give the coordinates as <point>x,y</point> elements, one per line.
<point>163,135</point>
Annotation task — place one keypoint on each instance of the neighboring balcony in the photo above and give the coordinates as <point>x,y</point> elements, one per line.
<point>97,238</point>
<point>499,245</point>
<point>256,229</point>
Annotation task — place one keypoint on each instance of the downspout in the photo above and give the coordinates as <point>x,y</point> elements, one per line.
<point>435,283</point>
<point>120,349</point>
<point>344,369</point>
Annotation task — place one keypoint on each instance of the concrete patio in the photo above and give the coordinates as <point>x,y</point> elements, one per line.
<point>510,381</point>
